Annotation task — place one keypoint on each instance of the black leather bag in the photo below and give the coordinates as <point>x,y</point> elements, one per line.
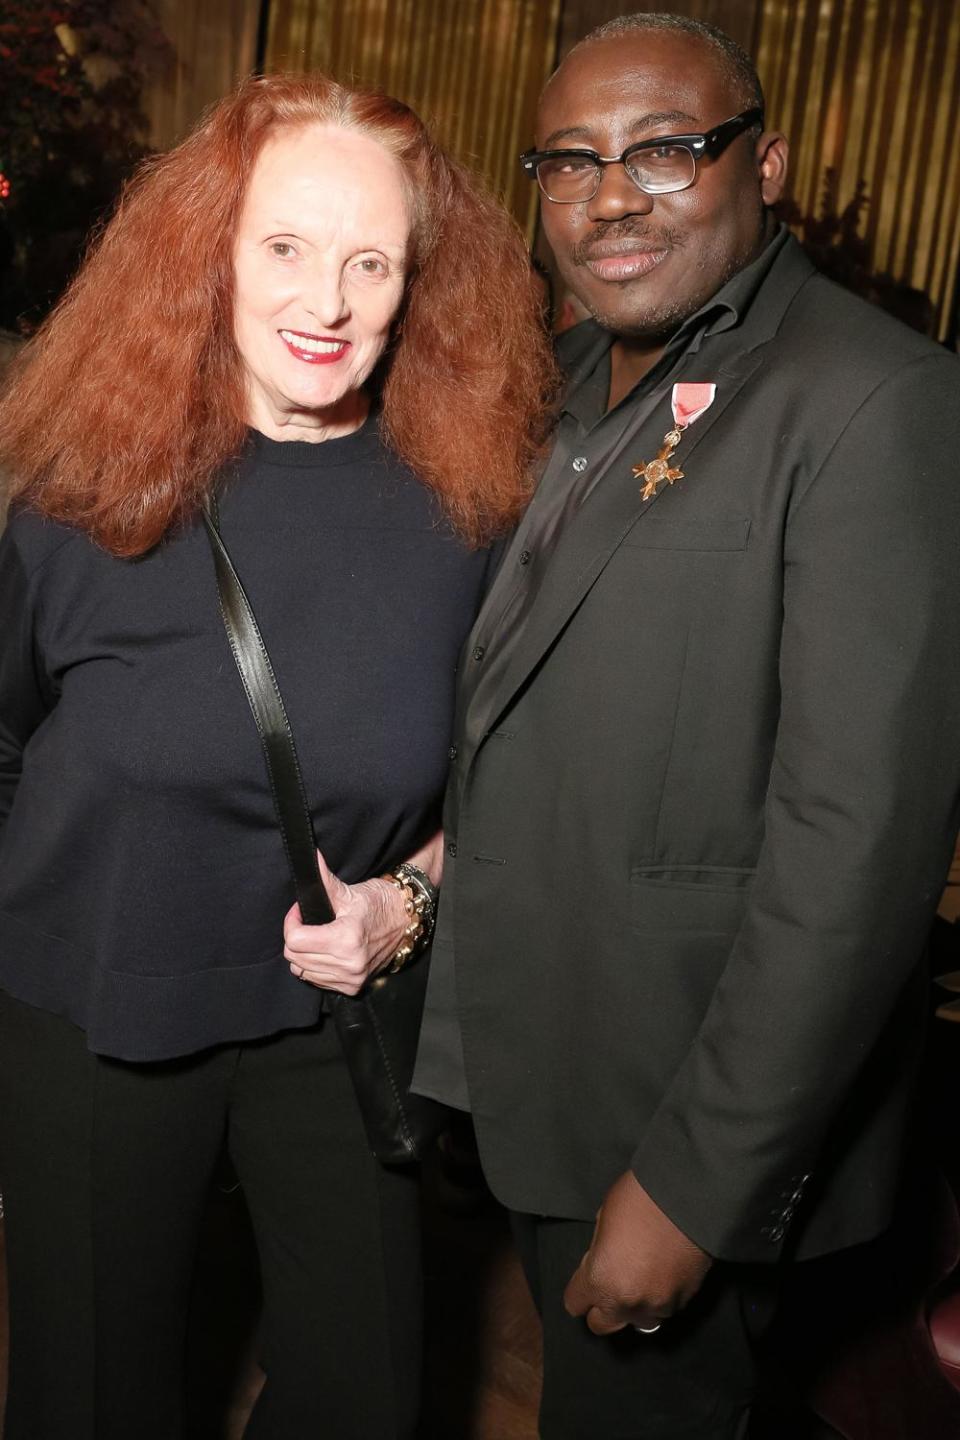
<point>378,1028</point>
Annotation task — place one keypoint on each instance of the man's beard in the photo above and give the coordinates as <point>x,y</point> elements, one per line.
<point>652,322</point>
<point>662,237</point>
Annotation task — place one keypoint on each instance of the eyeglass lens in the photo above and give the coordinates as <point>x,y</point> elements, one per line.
<point>657,171</point>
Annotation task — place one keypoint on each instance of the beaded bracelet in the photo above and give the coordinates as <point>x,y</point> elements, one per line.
<point>419,901</point>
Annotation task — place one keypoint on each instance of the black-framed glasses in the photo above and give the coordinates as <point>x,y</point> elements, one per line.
<point>658,166</point>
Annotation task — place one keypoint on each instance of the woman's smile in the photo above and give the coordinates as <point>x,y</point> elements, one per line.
<point>314,349</point>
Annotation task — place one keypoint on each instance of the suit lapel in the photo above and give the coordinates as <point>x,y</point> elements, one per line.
<point>610,511</point>
<point>613,506</point>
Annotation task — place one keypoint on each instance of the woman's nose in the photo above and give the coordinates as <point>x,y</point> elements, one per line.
<point>324,295</point>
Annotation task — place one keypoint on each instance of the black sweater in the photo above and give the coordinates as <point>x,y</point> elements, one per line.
<point>143,883</point>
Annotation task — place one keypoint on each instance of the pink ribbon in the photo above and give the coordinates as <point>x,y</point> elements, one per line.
<point>690,402</point>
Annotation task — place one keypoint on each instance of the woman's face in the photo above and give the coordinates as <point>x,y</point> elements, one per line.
<point>320,262</point>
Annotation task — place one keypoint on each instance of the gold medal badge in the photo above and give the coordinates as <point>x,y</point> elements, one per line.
<point>688,402</point>
<point>659,471</point>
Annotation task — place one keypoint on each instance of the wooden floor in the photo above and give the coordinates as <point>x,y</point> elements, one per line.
<point>482,1373</point>
<point>483,1344</point>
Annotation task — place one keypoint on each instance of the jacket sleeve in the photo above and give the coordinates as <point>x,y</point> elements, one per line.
<point>24,697</point>
<point>860,819</point>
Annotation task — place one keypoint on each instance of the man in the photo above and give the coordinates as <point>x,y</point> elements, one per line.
<point>705,784</point>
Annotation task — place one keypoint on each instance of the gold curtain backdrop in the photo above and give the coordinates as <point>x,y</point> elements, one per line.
<point>867,88</point>
<point>738,18</point>
<point>871,89</point>
<point>473,69</point>
<point>215,43</point>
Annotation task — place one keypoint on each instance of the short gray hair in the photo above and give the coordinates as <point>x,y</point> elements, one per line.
<point>734,59</point>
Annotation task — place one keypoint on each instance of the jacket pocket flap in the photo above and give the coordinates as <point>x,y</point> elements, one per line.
<point>653,532</point>
<point>676,906</point>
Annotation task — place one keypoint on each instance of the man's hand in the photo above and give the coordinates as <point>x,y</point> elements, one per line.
<point>639,1269</point>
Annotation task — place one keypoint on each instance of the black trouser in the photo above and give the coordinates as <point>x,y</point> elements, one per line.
<point>104,1169</point>
<point>692,1380</point>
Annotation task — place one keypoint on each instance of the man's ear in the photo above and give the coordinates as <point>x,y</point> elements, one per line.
<point>772,154</point>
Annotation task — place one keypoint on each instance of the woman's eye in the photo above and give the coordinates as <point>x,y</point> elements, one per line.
<point>373,265</point>
<point>281,248</point>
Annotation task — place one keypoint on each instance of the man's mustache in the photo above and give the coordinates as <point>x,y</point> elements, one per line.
<point>616,236</point>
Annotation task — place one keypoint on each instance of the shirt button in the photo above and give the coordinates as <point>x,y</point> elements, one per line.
<point>452,849</point>
<point>581,463</point>
<point>524,557</point>
<point>479,653</point>
<point>452,753</point>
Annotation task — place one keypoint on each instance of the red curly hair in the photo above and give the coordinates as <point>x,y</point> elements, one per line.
<point>129,401</point>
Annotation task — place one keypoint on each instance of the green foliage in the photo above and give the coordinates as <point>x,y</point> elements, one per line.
<point>72,77</point>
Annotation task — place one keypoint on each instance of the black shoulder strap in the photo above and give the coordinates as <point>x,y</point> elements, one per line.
<point>276,737</point>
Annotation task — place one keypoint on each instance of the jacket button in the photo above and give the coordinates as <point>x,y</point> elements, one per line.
<point>524,557</point>
<point>452,849</point>
<point>479,653</point>
<point>452,753</point>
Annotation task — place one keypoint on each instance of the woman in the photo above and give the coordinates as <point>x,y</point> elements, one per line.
<point>306,250</point>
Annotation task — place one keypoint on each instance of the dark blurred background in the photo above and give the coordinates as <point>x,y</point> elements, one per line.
<point>867,90</point>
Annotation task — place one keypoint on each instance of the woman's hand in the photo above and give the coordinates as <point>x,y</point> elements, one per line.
<point>366,934</point>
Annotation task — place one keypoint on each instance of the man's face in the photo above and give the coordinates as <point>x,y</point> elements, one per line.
<point>642,263</point>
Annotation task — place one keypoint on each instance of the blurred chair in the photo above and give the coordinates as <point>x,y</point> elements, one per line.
<point>870,1339</point>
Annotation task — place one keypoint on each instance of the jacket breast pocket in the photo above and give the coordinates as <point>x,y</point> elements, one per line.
<point>654,532</point>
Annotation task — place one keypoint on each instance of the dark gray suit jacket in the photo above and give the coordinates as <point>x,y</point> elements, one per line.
<point>699,831</point>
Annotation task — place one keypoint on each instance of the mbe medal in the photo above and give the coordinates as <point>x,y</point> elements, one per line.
<point>689,402</point>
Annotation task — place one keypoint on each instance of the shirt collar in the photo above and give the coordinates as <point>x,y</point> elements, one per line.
<point>733,300</point>
<point>586,356</point>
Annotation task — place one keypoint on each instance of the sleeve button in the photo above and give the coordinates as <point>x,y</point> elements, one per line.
<point>452,849</point>
<point>524,557</point>
<point>479,653</point>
